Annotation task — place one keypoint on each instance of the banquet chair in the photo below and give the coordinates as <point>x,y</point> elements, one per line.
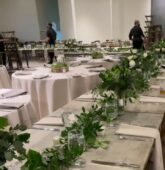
<point>12,53</point>
<point>5,81</point>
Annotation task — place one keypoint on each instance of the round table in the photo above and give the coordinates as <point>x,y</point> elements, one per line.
<point>56,90</point>
<point>25,115</point>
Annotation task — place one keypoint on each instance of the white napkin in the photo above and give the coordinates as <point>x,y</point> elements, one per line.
<point>12,93</point>
<point>54,121</point>
<point>11,105</point>
<point>126,129</point>
<point>40,76</point>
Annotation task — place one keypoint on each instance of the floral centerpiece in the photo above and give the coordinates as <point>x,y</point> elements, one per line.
<point>71,44</point>
<point>60,67</point>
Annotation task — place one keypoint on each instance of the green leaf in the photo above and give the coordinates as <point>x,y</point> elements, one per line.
<point>34,161</point>
<point>3,122</point>
<point>20,127</point>
<point>9,155</point>
<point>24,137</point>
<point>19,147</point>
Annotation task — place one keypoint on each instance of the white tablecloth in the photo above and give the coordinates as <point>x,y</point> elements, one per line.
<point>5,81</point>
<point>25,115</point>
<point>52,92</point>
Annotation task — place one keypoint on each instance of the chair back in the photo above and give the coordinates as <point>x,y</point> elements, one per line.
<point>12,53</point>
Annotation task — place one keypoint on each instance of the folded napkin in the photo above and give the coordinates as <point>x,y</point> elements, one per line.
<point>12,93</point>
<point>95,66</point>
<point>132,130</point>
<point>92,166</point>
<point>40,76</point>
<point>74,63</point>
<point>97,69</point>
<point>52,121</point>
<point>23,73</point>
<point>76,75</point>
<point>11,105</point>
<point>152,99</point>
<point>86,96</point>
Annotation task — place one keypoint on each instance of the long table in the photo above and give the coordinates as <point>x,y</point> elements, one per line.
<point>132,150</point>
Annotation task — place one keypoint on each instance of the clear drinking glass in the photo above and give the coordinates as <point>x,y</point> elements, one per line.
<point>76,145</point>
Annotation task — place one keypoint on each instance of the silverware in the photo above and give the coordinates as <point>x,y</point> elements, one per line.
<point>44,128</point>
<point>81,100</point>
<point>128,138</point>
<point>116,164</point>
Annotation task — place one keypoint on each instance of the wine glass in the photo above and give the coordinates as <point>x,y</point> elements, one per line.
<point>76,145</point>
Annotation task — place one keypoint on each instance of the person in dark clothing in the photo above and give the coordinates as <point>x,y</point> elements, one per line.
<point>137,36</point>
<point>2,50</point>
<point>50,39</point>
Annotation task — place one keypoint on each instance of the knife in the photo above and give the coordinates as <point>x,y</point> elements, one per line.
<point>116,164</point>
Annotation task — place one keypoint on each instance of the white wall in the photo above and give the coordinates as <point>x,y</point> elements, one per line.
<point>20,16</point>
<point>101,19</point>
<point>124,14</point>
<point>92,19</point>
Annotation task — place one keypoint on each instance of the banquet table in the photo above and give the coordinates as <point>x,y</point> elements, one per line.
<point>5,81</point>
<point>129,150</point>
<point>27,52</point>
<point>25,115</point>
<point>57,89</point>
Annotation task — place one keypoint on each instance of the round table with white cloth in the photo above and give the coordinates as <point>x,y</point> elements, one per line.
<point>56,90</point>
<point>5,81</point>
<point>25,115</point>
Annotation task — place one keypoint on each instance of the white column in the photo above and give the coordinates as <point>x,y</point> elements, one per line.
<point>111,18</point>
<point>74,18</point>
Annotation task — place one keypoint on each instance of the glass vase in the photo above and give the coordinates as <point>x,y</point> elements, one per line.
<point>120,105</point>
<point>111,111</point>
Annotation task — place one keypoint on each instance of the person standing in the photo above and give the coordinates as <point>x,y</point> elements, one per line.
<point>2,50</point>
<point>136,35</point>
<point>50,39</point>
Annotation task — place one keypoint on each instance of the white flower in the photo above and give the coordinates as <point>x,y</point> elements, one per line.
<point>134,51</point>
<point>130,57</point>
<point>132,63</point>
<point>157,49</point>
<point>116,48</point>
<point>145,55</point>
<point>163,49</point>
